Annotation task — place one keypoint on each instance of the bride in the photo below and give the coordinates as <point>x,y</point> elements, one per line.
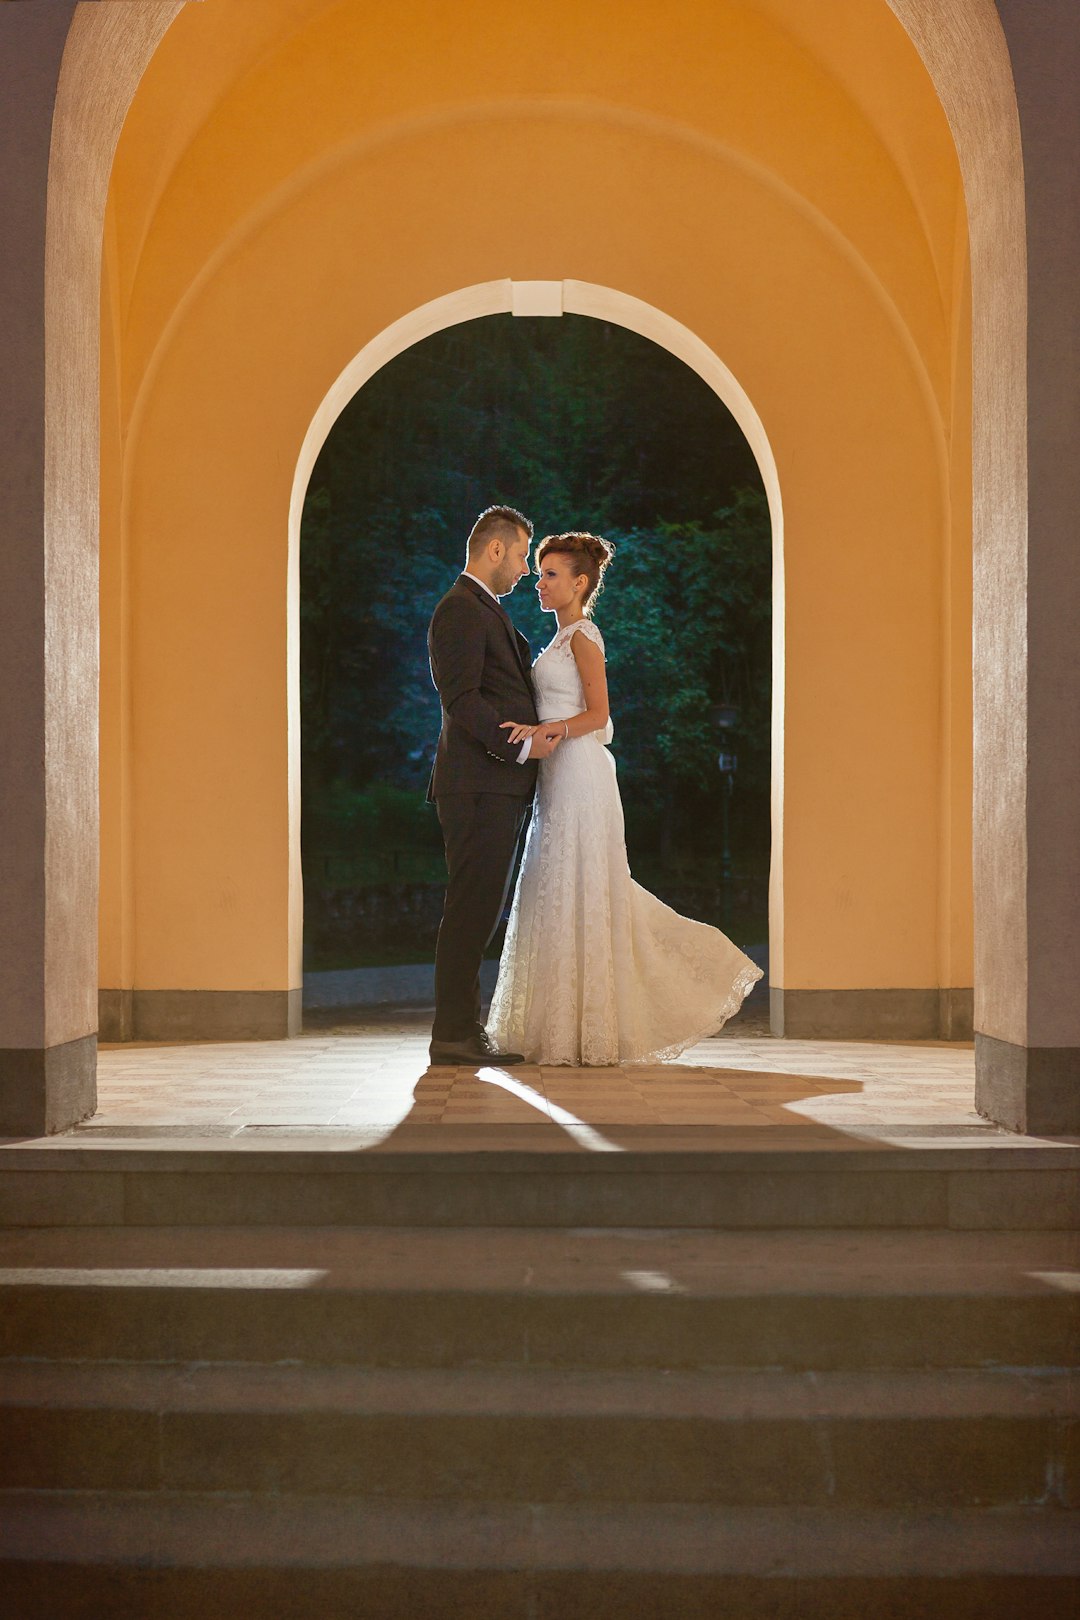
<point>595,970</point>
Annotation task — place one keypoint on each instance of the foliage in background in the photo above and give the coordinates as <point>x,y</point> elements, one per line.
<point>580,425</point>
<point>687,623</point>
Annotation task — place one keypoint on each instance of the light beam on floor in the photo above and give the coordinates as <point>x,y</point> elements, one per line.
<point>577,1128</point>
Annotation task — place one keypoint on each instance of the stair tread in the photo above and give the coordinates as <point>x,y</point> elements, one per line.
<point>693,1262</point>
<point>450,1150</point>
<point>222,1530</point>
<point>730,1395</point>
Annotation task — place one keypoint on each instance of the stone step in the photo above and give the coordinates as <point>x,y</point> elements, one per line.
<point>1006,1187</point>
<point>813,1300</point>
<point>163,1556</point>
<point>931,1439</point>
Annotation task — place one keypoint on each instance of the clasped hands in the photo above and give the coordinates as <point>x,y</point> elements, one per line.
<point>546,737</point>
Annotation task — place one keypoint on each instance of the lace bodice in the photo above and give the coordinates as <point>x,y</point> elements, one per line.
<point>559,692</point>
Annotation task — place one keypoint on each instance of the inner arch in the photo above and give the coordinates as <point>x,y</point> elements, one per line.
<point>498,298</point>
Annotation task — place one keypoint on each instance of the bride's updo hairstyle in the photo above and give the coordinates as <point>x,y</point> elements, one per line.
<point>588,555</point>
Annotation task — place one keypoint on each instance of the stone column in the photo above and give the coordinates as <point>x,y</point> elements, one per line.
<point>1006,76</point>
<point>48,648</point>
<point>1028,1010</point>
<point>67,75</point>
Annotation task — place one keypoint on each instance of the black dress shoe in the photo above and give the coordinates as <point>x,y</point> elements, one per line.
<point>493,1051</point>
<point>475,1050</point>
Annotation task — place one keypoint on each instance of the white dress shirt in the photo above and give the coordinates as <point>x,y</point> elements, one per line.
<point>526,747</point>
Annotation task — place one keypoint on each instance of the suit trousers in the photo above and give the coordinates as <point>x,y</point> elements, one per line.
<point>481,833</point>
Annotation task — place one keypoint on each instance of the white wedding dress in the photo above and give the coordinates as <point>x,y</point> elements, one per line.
<point>595,970</point>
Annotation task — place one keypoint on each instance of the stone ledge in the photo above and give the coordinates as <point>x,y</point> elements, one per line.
<point>746,1437</point>
<point>219,1531</point>
<point>938,1190</point>
<point>223,1155</point>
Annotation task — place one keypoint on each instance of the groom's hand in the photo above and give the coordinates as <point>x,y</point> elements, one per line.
<point>545,737</point>
<point>544,742</point>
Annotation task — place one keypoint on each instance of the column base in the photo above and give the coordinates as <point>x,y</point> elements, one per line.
<point>115,1015</point>
<point>872,1015</point>
<point>1031,1089</point>
<point>199,1015</point>
<point>47,1089</point>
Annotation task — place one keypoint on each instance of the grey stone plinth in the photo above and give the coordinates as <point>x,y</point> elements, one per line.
<point>1031,1089</point>
<point>199,1015</point>
<point>47,1089</point>
<point>116,1015</point>
<point>906,1015</point>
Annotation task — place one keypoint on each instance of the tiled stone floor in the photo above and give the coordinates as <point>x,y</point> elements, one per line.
<point>348,1084</point>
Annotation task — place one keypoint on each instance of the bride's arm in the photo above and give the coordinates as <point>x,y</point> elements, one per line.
<point>593,671</point>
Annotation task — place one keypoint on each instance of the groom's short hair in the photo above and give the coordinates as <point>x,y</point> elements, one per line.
<point>497,523</point>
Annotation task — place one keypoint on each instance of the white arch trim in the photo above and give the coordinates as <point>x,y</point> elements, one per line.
<point>498,298</point>
<point>505,298</point>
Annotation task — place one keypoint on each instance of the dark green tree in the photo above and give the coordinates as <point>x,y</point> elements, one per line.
<point>581,425</point>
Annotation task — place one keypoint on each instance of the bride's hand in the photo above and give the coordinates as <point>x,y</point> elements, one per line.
<point>518,732</point>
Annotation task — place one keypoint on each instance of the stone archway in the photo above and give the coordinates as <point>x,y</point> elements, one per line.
<point>528,299</point>
<point>1002,74</point>
<point>1026,705</point>
<point>229,356</point>
<point>69,73</point>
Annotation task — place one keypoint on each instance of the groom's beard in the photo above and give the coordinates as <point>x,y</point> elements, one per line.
<point>504,583</point>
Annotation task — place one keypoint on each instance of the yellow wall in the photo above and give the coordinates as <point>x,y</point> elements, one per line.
<point>293,177</point>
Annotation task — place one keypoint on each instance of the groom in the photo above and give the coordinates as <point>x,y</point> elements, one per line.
<point>481,785</point>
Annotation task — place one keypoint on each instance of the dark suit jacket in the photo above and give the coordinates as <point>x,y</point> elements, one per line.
<point>481,667</point>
